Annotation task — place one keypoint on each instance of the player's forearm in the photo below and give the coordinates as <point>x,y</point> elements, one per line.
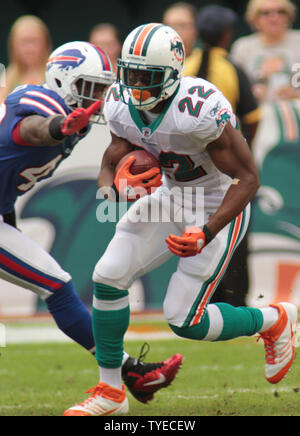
<point>106,177</point>
<point>39,130</point>
<point>230,154</point>
<point>107,185</point>
<point>241,192</point>
<point>116,150</point>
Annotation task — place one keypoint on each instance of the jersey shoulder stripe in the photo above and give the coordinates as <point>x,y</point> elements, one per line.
<point>36,99</point>
<point>42,107</point>
<point>49,101</point>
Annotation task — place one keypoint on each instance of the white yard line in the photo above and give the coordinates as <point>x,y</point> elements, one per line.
<point>46,334</point>
<point>27,335</point>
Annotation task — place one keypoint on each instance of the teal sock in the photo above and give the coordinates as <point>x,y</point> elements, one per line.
<point>111,315</point>
<point>239,321</point>
<point>233,322</point>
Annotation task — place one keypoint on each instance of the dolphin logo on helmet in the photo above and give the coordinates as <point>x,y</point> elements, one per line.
<point>178,49</point>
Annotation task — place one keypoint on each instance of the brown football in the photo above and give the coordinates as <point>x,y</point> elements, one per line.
<point>144,161</point>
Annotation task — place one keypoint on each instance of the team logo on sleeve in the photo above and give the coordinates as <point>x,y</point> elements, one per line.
<point>178,49</point>
<point>223,117</point>
<point>67,59</point>
<point>215,109</point>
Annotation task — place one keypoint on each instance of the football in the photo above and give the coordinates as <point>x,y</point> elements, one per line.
<point>144,161</point>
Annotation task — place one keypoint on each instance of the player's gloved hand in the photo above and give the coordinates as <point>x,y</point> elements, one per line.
<point>133,186</point>
<point>79,118</point>
<point>190,243</point>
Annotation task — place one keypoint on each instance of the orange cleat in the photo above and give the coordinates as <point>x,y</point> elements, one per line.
<point>105,400</point>
<point>280,342</point>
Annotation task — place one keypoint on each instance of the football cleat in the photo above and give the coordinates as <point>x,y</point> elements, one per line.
<point>105,400</point>
<point>279,342</point>
<point>144,379</point>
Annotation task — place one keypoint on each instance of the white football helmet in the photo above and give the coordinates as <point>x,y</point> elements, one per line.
<point>153,55</point>
<point>74,69</point>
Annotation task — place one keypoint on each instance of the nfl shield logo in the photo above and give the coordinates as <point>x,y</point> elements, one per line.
<point>146,132</point>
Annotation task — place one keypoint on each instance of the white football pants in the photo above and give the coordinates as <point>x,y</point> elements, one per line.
<point>25,263</point>
<point>138,247</point>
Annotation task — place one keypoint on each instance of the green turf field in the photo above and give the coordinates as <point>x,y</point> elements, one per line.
<point>216,379</point>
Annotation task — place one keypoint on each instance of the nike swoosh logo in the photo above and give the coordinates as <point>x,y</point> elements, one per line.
<point>160,380</point>
<point>109,412</point>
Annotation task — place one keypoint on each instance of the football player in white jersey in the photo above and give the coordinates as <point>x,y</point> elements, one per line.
<point>208,180</point>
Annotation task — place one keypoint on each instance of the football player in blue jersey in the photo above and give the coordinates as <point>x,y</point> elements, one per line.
<point>39,128</point>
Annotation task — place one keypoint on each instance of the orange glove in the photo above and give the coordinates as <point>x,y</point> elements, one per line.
<point>132,186</point>
<point>79,118</point>
<point>190,243</point>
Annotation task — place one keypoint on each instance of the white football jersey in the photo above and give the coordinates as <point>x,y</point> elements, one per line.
<point>195,116</point>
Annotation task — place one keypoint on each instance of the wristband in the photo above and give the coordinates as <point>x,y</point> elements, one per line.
<point>55,128</point>
<point>207,234</point>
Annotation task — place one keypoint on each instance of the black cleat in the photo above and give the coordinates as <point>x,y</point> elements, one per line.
<point>144,379</point>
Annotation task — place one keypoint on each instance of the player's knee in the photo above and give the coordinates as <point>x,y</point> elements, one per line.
<point>105,273</point>
<point>115,266</point>
<point>174,306</point>
<point>197,331</point>
<point>54,286</point>
<point>172,313</point>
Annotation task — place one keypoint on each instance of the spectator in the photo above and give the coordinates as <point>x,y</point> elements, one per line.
<point>268,54</point>
<point>106,36</point>
<point>181,17</point>
<point>29,46</point>
<point>215,29</point>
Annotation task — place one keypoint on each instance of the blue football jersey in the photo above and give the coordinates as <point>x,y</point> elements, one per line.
<point>22,166</point>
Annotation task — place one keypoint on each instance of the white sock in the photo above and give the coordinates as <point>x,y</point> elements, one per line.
<point>111,376</point>
<point>271,316</point>
<point>125,357</point>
